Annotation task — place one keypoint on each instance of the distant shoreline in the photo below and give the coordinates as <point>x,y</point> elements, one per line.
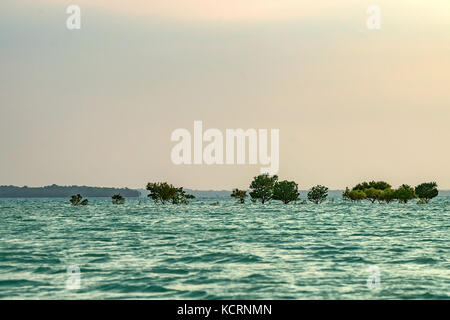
<point>55,191</point>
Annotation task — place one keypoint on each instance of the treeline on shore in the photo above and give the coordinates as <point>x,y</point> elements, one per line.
<point>265,188</point>
<point>55,191</point>
<point>382,191</point>
<point>160,192</point>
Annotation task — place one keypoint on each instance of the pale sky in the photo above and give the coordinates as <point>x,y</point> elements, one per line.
<point>97,106</point>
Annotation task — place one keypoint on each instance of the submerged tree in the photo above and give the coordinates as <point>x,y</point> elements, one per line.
<point>371,191</point>
<point>357,195</point>
<point>262,187</point>
<point>346,194</point>
<point>118,199</point>
<point>379,185</point>
<point>286,191</point>
<point>161,192</point>
<point>353,195</point>
<point>405,193</point>
<point>372,194</point>
<point>387,195</point>
<point>240,195</point>
<point>426,191</point>
<point>77,200</point>
<point>181,197</point>
<point>318,194</point>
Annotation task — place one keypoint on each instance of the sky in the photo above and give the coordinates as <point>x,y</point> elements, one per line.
<point>97,106</point>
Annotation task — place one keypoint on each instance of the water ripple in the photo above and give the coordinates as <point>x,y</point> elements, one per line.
<point>252,251</point>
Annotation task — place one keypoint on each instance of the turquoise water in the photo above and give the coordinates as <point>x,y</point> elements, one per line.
<point>229,251</point>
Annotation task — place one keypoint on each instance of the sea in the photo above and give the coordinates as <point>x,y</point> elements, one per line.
<point>215,248</point>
